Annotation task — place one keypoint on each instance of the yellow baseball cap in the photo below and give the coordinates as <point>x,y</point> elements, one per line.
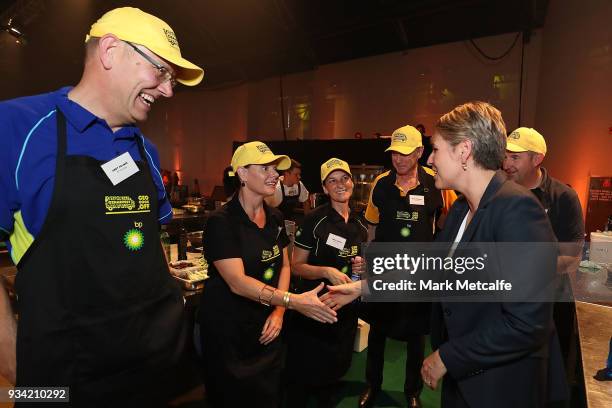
<point>405,140</point>
<point>526,140</point>
<point>136,26</point>
<point>257,153</point>
<point>332,165</point>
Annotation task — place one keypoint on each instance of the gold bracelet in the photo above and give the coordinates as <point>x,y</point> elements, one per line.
<point>269,301</point>
<point>260,290</point>
<point>263,301</point>
<point>286,299</point>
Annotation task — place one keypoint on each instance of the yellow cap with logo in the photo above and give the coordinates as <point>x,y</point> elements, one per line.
<point>526,139</point>
<point>332,165</point>
<point>257,153</point>
<point>136,26</point>
<point>405,140</point>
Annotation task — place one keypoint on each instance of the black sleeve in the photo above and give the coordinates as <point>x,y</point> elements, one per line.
<point>220,241</point>
<point>571,225</point>
<point>304,236</point>
<point>283,238</point>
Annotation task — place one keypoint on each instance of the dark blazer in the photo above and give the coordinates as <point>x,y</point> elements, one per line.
<point>498,354</point>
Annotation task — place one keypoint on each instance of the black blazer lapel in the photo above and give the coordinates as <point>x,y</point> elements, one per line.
<point>499,178</point>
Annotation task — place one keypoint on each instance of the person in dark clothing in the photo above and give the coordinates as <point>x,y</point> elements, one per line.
<point>491,354</point>
<point>404,206</point>
<point>525,152</point>
<point>245,247</point>
<point>329,238</point>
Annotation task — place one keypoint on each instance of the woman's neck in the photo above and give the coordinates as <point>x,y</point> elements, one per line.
<point>341,208</point>
<point>475,186</point>
<point>251,203</point>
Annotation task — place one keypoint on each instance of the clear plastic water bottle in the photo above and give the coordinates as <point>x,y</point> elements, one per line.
<point>354,277</point>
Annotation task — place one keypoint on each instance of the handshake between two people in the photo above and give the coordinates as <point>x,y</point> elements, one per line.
<point>433,368</point>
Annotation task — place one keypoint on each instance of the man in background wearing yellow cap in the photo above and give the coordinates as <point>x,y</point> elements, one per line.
<point>525,152</point>
<point>404,206</point>
<point>82,200</point>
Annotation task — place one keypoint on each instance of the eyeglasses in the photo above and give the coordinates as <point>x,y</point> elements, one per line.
<point>162,72</point>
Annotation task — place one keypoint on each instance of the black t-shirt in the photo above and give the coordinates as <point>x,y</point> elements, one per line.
<point>562,207</point>
<point>322,232</point>
<point>231,234</point>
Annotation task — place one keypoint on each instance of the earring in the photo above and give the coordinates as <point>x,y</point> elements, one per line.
<point>464,166</point>
<point>242,183</point>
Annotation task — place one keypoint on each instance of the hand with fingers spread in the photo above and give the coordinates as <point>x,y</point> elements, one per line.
<point>335,276</point>
<point>273,326</point>
<point>341,295</point>
<point>309,305</point>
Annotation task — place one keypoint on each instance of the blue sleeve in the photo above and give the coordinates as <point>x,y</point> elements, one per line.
<point>164,207</point>
<point>9,198</point>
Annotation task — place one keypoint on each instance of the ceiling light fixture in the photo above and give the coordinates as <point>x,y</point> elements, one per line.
<point>15,30</point>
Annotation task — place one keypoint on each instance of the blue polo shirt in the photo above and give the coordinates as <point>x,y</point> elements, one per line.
<point>28,150</point>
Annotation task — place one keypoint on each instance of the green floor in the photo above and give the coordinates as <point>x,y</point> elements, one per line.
<point>393,384</point>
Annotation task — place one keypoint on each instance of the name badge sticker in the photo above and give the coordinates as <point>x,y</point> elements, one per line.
<point>417,199</point>
<point>120,168</point>
<point>336,241</point>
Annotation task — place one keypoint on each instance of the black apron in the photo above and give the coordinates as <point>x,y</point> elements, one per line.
<point>238,370</point>
<point>321,353</point>
<point>98,310</point>
<point>289,203</point>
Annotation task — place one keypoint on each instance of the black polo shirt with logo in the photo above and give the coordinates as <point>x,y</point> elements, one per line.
<point>321,230</point>
<point>229,233</point>
<point>404,216</point>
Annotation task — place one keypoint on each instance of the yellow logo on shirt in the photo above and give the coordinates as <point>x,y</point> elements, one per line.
<point>348,252</point>
<point>267,255</point>
<point>407,216</point>
<point>126,204</point>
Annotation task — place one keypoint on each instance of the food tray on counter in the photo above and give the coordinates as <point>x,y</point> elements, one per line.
<point>189,273</point>
<point>190,284</point>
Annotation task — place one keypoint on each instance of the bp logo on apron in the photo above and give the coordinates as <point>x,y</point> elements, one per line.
<point>133,239</point>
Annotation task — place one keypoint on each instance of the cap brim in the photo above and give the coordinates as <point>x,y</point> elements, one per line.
<point>511,147</point>
<point>283,162</point>
<point>403,150</point>
<point>332,170</point>
<point>188,73</point>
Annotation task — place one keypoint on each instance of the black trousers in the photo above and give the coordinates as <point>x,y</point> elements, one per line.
<point>415,351</point>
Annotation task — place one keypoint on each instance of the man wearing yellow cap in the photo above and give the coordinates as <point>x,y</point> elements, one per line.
<point>525,152</point>
<point>81,207</point>
<point>404,206</point>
